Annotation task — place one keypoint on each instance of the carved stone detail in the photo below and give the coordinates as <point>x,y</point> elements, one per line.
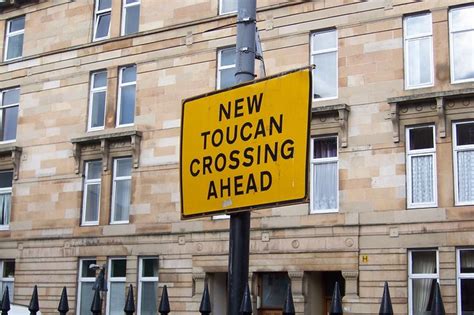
<point>10,157</point>
<point>441,117</point>
<point>395,122</point>
<point>340,113</point>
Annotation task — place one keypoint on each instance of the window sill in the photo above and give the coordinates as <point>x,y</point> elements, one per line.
<point>422,206</point>
<point>83,224</point>
<point>324,211</point>
<point>4,227</point>
<point>119,222</point>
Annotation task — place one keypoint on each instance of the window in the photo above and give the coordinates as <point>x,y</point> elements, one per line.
<point>272,290</point>
<point>126,97</point>
<point>148,286</point>
<point>116,285</point>
<point>227,6</point>
<point>8,277</point>
<point>465,281</point>
<point>103,10</point>
<point>130,16</point>
<point>418,45</point>
<point>121,190</point>
<point>423,275</point>
<point>226,68</point>
<point>421,167</point>
<point>97,100</point>
<point>86,280</point>
<point>324,175</point>
<point>324,56</point>
<point>91,198</point>
<point>463,147</point>
<point>6,180</point>
<point>14,38</point>
<point>461,36</point>
<point>9,103</point>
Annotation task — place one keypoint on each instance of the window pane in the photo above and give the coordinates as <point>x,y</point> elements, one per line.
<point>129,74</point>
<point>325,75</point>
<point>87,295</point>
<point>17,24</point>
<point>100,79</point>
<point>10,123</point>
<point>124,167</point>
<point>467,261</point>
<point>421,138</point>
<point>463,59</point>
<point>419,61</point>
<point>150,267</point>
<point>325,148</point>
<point>465,175</point>
<point>465,134</point>
<point>11,97</point>
<point>228,6</point>
<point>15,46</point>
<point>467,292</point>
<point>422,291</point>
<point>131,1</point>
<point>423,262</point>
<point>6,179</point>
<point>98,109</point>
<point>10,289</point>
<point>418,24</point>
<point>422,179</point>
<point>92,202</point>
<point>227,56</point>
<point>127,105</point>
<point>104,4</point>
<point>324,40</point>
<point>325,186</point>
<point>149,298</point>
<point>5,208</point>
<point>274,286</point>
<point>119,268</point>
<point>132,19</point>
<point>117,298</point>
<point>227,78</point>
<point>462,18</point>
<point>122,200</point>
<point>86,271</point>
<point>94,169</point>
<point>103,26</point>
<point>9,269</point>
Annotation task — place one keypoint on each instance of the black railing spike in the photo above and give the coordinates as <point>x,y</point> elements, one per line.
<point>246,306</point>
<point>129,308</point>
<point>5,302</point>
<point>34,303</point>
<point>63,306</point>
<point>164,307</point>
<point>336,301</point>
<point>205,307</point>
<point>289,306</point>
<point>437,307</point>
<point>96,306</point>
<point>386,304</point>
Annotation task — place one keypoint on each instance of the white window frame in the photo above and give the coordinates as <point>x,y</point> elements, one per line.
<point>125,6</point>
<point>220,67</point>
<point>122,85</point>
<point>451,42</point>
<point>7,279</point>
<point>456,150</point>
<point>7,190</point>
<point>412,276</point>
<point>324,51</point>
<point>91,99</point>
<point>111,279</point>
<point>80,280</point>
<point>114,190</point>
<point>12,34</point>
<point>88,182</point>
<point>315,161</point>
<point>415,153</point>
<point>417,37</point>
<point>97,14</point>
<point>142,279</point>
<point>3,107</point>
<point>460,276</point>
<point>221,6</point>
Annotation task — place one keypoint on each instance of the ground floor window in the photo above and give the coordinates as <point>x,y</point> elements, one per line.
<point>116,286</point>
<point>148,286</point>
<point>423,274</point>
<point>465,281</point>
<point>85,291</point>
<point>8,277</point>
<point>272,288</point>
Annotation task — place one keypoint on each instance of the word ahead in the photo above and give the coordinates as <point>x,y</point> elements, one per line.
<point>246,147</point>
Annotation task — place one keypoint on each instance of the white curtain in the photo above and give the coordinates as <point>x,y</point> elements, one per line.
<point>5,204</point>
<point>466,176</point>
<point>325,186</point>
<point>117,298</point>
<point>422,179</point>
<point>423,264</point>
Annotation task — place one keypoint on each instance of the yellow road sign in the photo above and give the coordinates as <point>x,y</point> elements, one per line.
<point>246,147</point>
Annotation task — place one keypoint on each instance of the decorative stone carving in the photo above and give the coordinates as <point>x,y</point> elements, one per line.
<point>10,157</point>
<point>341,112</point>
<point>351,277</point>
<point>441,117</point>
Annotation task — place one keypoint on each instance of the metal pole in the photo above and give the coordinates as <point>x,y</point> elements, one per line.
<point>239,236</point>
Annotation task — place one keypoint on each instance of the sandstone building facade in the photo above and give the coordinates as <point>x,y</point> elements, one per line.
<point>90,100</point>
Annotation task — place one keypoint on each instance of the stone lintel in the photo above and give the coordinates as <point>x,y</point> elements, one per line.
<point>10,158</point>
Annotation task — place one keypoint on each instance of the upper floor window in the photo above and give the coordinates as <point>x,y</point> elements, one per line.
<point>226,67</point>
<point>421,167</point>
<point>126,96</point>
<point>130,16</point>
<point>461,35</point>
<point>324,175</point>
<point>418,37</point>
<point>117,273</point>
<point>465,280</point>
<point>121,190</point>
<point>85,291</point>
<point>97,100</point>
<point>227,6</point>
<point>9,103</point>
<point>148,286</point>
<point>91,197</point>
<point>7,268</point>
<point>324,56</point>
<point>463,150</point>
<point>103,10</point>
<point>6,181</point>
<point>15,33</point>
<point>422,277</point>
